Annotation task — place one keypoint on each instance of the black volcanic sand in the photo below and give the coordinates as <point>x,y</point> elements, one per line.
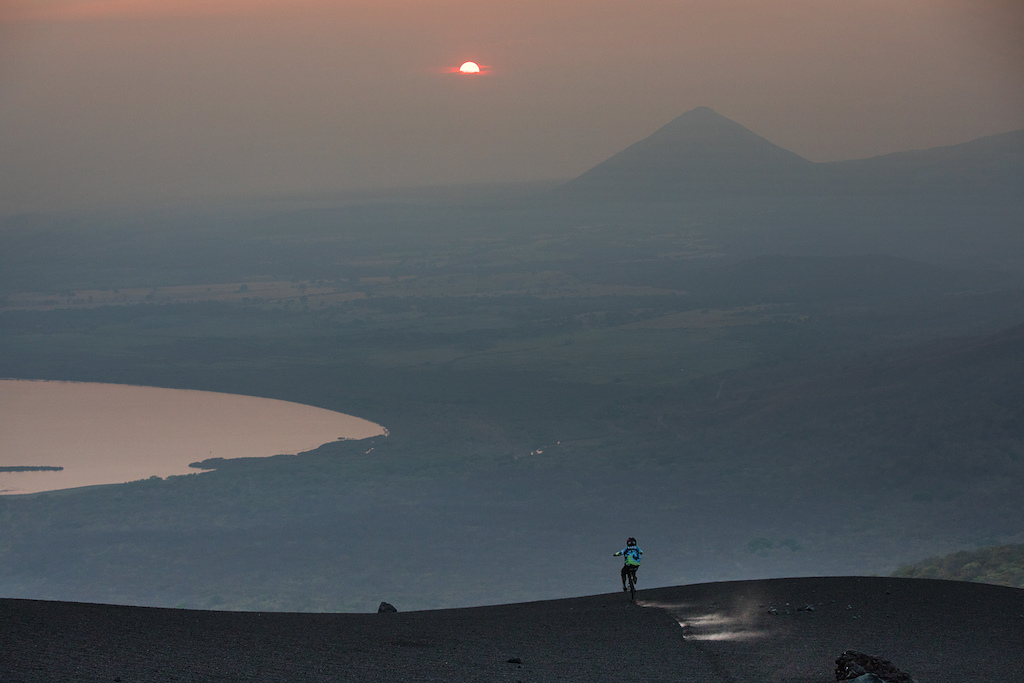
<point>935,630</point>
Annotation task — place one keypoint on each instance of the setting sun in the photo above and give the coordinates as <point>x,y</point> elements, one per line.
<point>470,68</point>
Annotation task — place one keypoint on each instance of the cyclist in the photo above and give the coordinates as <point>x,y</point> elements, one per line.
<point>631,560</point>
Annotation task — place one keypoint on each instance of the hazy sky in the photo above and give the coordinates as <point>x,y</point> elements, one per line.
<point>127,101</point>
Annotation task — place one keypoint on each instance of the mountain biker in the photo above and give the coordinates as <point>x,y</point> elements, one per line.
<point>631,560</point>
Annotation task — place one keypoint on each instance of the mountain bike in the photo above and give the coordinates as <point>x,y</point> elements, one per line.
<point>631,580</point>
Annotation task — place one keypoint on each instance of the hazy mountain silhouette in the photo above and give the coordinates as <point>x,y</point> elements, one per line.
<point>992,165</point>
<point>704,154</point>
<point>697,153</point>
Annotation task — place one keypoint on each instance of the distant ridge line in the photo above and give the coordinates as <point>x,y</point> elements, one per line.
<point>32,468</point>
<point>704,154</point>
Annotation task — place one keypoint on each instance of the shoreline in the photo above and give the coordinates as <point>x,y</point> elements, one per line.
<point>103,433</point>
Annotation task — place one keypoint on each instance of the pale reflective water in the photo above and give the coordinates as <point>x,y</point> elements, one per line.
<point>114,433</point>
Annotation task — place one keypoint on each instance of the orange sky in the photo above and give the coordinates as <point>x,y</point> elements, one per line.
<point>128,101</point>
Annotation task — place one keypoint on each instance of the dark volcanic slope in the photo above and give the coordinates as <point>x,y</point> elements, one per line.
<point>936,630</point>
<point>586,639</point>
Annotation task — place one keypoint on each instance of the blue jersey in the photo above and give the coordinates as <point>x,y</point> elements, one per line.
<point>631,554</point>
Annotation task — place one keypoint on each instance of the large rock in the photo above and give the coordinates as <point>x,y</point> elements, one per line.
<point>386,607</point>
<point>857,666</point>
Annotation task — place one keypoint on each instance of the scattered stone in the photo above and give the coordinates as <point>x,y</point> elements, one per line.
<point>386,607</point>
<point>854,666</point>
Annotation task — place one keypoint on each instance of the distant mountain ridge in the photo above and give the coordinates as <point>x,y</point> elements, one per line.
<point>704,154</point>
<point>989,165</point>
<point>700,151</point>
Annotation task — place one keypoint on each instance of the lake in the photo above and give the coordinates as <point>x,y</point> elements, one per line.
<point>115,433</point>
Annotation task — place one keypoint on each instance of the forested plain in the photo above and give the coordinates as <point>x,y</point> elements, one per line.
<point>752,386</point>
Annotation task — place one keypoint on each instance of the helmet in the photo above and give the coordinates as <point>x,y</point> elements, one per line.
<point>630,541</point>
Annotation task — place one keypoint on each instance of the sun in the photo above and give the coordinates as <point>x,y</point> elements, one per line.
<point>470,68</point>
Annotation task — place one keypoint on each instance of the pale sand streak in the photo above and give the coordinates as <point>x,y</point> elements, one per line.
<point>113,433</point>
